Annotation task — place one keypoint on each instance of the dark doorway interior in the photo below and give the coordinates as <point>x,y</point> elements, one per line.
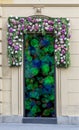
<point>39,76</point>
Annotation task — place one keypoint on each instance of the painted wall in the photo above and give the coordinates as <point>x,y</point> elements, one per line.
<point>11,79</point>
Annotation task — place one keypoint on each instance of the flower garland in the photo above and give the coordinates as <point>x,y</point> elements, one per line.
<point>17,26</point>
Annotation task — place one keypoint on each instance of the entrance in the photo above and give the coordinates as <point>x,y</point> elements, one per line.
<point>39,76</point>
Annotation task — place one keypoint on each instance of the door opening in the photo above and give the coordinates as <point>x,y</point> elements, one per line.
<point>39,76</point>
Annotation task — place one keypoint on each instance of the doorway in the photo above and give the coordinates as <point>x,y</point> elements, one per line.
<point>39,76</point>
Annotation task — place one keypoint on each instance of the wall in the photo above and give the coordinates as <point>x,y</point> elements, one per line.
<point>67,79</point>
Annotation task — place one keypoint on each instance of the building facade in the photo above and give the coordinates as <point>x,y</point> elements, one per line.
<point>11,78</point>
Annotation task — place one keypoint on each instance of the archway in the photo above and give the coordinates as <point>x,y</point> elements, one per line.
<point>18,26</point>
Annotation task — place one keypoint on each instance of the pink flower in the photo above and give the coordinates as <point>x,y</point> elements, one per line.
<point>62,60</point>
<point>36,27</point>
<point>50,22</point>
<point>63,51</point>
<point>56,46</point>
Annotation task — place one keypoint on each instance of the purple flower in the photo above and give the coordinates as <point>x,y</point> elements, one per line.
<point>46,20</point>
<point>63,51</point>
<point>29,19</point>
<point>34,21</point>
<point>11,30</point>
<point>23,27</point>
<point>63,26</point>
<point>63,31</point>
<point>22,20</point>
<point>50,29</point>
<point>10,41</point>
<point>16,48</point>
<point>29,27</point>
<point>50,22</point>
<point>62,36</point>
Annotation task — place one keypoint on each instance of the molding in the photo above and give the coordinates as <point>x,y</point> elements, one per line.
<point>65,120</point>
<point>39,5</point>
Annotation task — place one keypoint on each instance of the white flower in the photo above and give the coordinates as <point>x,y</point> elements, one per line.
<point>56,40</point>
<point>17,43</point>
<point>19,26</point>
<point>67,19</point>
<point>16,37</point>
<point>14,40</point>
<point>55,32</point>
<point>61,54</point>
<point>30,23</point>
<point>8,25</point>
<point>14,30</point>
<point>58,63</point>
<point>16,17</point>
<point>13,63</point>
<point>39,25</point>
<point>46,24</point>
<point>60,28</point>
<point>65,38</point>
<point>61,58</point>
<point>16,64</point>
<point>46,28</point>
<point>20,63</point>
<point>11,16</point>
<point>8,47</point>
<point>20,40</point>
<point>55,57</point>
<point>20,49</point>
<point>15,51</point>
<point>40,20</point>
<point>64,62</point>
<point>20,46</point>
<point>21,33</point>
<point>12,52</point>
<point>61,39</point>
<point>55,20</point>
<point>59,23</point>
<point>69,24</point>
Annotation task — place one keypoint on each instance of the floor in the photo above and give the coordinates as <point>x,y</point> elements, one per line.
<point>4,126</point>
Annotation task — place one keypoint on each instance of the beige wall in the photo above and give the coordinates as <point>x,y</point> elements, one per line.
<point>67,89</point>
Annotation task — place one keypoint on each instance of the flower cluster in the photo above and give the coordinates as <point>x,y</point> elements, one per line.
<point>59,27</point>
<point>62,36</point>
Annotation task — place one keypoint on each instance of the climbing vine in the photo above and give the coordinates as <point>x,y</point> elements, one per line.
<point>59,27</point>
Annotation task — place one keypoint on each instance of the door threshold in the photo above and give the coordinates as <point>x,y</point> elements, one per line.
<point>37,120</point>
